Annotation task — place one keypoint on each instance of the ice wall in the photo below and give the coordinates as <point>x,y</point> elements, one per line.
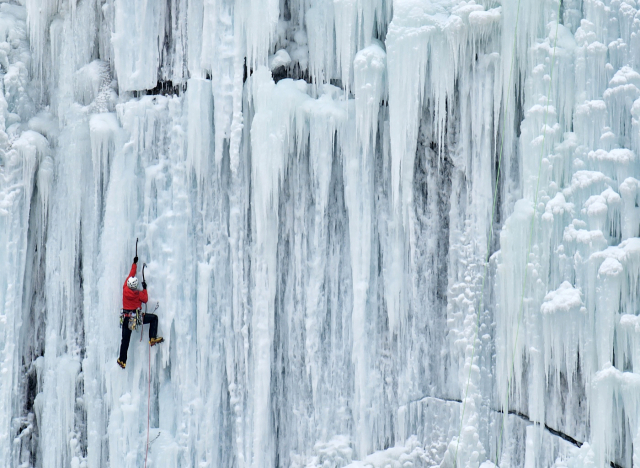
<point>381,233</point>
<point>566,280</point>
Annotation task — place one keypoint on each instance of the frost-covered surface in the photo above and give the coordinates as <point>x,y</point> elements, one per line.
<point>313,185</point>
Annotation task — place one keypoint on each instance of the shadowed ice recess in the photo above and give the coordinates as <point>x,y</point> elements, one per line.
<point>382,233</point>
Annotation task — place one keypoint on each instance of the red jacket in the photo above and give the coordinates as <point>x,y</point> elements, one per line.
<point>131,299</point>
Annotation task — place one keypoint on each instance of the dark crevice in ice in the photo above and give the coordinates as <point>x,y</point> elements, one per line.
<point>163,88</point>
<point>524,417</point>
<point>295,72</point>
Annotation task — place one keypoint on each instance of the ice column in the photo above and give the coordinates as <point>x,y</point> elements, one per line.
<point>271,144</point>
<point>138,35</point>
<point>407,42</point>
<point>358,164</point>
<point>320,121</point>
<point>200,128</point>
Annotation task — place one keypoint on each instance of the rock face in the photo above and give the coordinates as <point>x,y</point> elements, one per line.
<point>381,233</point>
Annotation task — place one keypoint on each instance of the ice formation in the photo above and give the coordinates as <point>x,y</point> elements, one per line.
<point>382,233</point>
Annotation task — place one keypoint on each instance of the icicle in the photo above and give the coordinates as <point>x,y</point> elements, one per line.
<point>45,182</point>
<point>31,147</point>
<point>103,130</point>
<point>260,19</point>
<point>369,78</point>
<point>137,41</point>
<point>358,152</point>
<point>624,89</point>
<point>39,14</point>
<point>563,320</point>
<point>629,191</point>
<point>346,17</point>
<point>314,300</point>
<point>200,129</point>
<point>319,22</point>
<point>323,118</point>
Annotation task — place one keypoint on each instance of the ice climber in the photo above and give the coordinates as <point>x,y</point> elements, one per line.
<point>132,300</point>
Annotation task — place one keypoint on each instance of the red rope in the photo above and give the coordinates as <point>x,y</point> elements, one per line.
<point>148,408</point>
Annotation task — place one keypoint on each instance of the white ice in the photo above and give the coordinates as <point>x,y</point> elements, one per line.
<point>382,233</point>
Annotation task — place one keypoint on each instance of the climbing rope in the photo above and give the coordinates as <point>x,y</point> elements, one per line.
<point>148,408</point>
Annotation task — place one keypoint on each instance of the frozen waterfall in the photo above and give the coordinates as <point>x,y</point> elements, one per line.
<point>382,233</point>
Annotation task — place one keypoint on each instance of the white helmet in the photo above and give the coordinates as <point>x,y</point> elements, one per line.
<point>132,282</point>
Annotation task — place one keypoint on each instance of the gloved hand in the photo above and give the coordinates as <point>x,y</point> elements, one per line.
<point>144,285</point>
<point>135,259</point>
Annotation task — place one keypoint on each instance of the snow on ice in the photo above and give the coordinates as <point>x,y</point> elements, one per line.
<point>382,233</point>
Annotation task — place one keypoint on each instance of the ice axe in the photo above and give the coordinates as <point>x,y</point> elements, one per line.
<point>144,281</point>
<point>136,246</point>
<point>158,303</point>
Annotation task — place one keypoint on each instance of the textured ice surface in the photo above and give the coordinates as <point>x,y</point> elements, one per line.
<point>382,233</point>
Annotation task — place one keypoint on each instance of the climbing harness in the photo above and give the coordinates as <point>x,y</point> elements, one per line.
<point>131,314</point>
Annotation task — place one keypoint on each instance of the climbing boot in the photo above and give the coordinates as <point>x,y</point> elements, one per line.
<point>155,341</point>
<point>122,364</point>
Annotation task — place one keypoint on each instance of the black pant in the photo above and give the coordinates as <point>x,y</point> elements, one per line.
<point>126,333</point>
